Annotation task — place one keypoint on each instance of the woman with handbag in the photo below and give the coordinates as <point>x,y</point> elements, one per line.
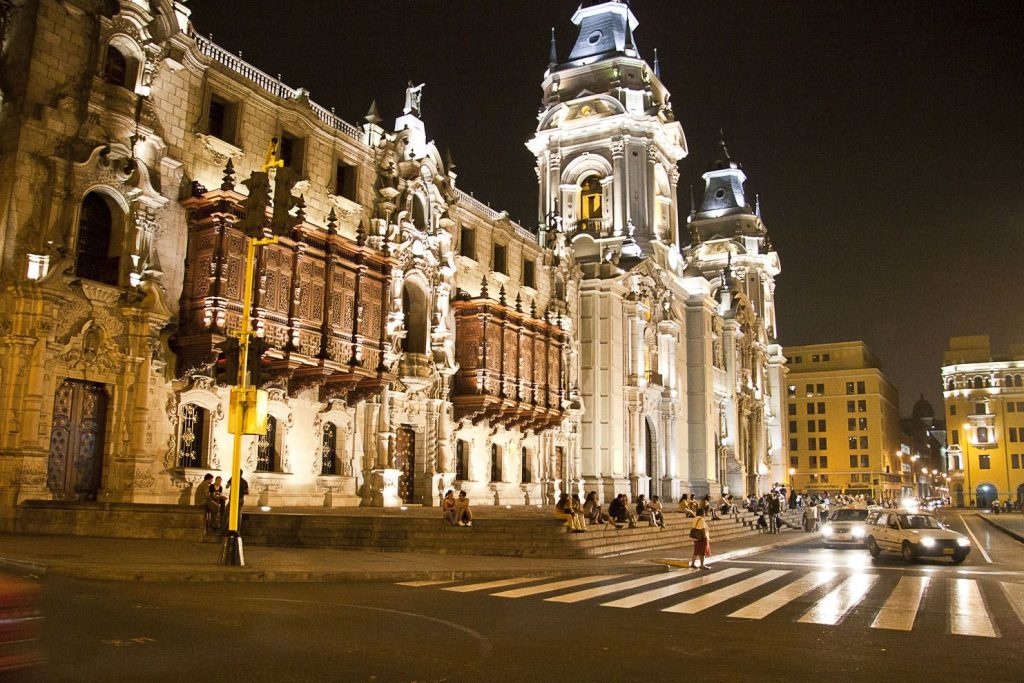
<point>701,541</point>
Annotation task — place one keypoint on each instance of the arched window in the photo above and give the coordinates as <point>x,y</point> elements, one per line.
<point>1016,380</point>
<point>267,451</point>
<point>527,477</point>
<point>978,384</point>
<point>495,462</point>
<point>99,240</point>
<point>329,450</point>
<point>115,67</point>
<point>415,306</point>
<point>419,213</point>
<point>951,385</point>
<point>461,469</point>
<point>1007,381</point>
<point>591,209</point>
<point>192,438</point>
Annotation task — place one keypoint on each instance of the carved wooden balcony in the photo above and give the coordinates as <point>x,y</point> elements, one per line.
<point>510,367</point>
<point>319,300</point>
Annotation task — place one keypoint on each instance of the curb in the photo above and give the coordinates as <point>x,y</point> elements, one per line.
<point>1008,532</point>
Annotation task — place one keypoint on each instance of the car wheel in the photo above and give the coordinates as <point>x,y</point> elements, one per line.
<point>873,547</point>
<point>907,551</point>
<point>958,558</point>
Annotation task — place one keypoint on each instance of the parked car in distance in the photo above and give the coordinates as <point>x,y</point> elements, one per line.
<point>20,626</point>
<point>913,534</point>
<point>844,526</point>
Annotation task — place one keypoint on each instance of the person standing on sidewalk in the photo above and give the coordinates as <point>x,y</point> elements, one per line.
<point>701,541</point>
<point>243,491</point>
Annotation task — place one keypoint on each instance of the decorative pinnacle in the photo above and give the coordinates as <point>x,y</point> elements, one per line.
<point>360,234</point>
<point>332,222</point>
<point>373,115</point>
<point>300,209</point>
<point>533,308</point>
<point>228,183</point>
<point>483,287</point>
<point>501,296</point>
<point>657,64</point>
<point>519,303</point>
<point>553,56</point>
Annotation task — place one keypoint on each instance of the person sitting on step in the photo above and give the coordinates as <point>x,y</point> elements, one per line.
<point>643,511</point>
<point>656,511</point>
<point>463,515</point>
<point>448,507</point>
<point>620,512</point>
<point>574,519</point>
<point>594,511</point>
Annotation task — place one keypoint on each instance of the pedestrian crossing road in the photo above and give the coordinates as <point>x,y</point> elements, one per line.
<point>981,606</point>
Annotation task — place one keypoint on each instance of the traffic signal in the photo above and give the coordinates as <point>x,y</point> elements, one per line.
<point>225,368</point>
<point>256,364</point>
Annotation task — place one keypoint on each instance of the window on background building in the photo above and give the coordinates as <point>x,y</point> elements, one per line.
<point>292,152</point>
<point>467,243</point>
<point>798,359</point>
<point>792,426</point>
<point>222,119</point>
<point>826,356</point>
<point>1020,406</point>
<point>865,461</point>
<point>851,424</point>
<point>816,358</point>
<point>100,233</point>
<point>1007,381</point>
<point>345,181</point>
<point>823,461</point>
<point>821,407</point>
<point>115,67</point>
<point>863,442</point>
<point>982,434</point>
<point>809,389</point>
<point>791,390</point>
<point>862,423</point>
<point>192,440</point>
<point>525,467</point>
<point>793,445</point>
<point>328,450</point>
<point>862,406</point>
<point>853,442</point>
<point>954,461</point>
<point>1009,408</point>
<point>860,387</point>
<point>461,461</point>
<point>810,408</point>
<point>849,387</point>
<point>529,273</point>
<point>819,389</point>
<point>495,462</point>
<point>499,261</point>
<point>1015,461</point>
<point>794,461</point>
<point>984,462</point>
<point>821,426</point>
<point>812,444</point>
<point>853,461</point>
<point>822,443</point>
<point>1013,434</point>
<point>813,477</point>
<point>1018,380</point>
<point>979,408</point>
<point>952,410</point>
<point>955,436</point>
<point>812,462</point>
<point>850,406</point>
<point>824,479</point>
<point>792,409</point>
<point>810,425</point>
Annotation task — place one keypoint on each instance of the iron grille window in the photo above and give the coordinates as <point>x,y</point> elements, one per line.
<point>266,454</point>
<point>328,450</point>
<point>193,432</point>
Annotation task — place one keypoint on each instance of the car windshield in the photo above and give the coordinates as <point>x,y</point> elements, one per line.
<point>919,522</point>
<point>849,515</point>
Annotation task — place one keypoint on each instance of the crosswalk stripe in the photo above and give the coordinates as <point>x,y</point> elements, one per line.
<point>782,597</point>
<point>1015,594</point>
<point>722,594</point>
<point>900,609</point>
<point>675,589</point>
<point>589,593</point>
<point>420,584</point>
<point>469,587</point>
<point>967,613</point>
<point>831,609</point>
<point>555,586</point>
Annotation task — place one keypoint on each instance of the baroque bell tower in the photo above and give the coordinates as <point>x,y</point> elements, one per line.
<point>607,142</point>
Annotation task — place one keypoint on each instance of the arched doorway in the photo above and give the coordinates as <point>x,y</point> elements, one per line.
<point>986,493</point>
<point>405,463</point>
<point>74,469</point>
<point>649,457</point>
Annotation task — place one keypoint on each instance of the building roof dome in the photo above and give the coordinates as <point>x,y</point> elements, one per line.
<point>923,409</point>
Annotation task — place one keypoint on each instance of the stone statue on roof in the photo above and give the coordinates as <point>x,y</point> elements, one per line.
<point>413,96</point>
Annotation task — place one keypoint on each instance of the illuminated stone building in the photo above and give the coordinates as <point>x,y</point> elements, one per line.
<point>984,405</point>
<point>844,423</point>
<point>416,339</point>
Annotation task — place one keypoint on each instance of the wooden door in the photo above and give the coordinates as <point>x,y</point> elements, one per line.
<point>405,461</point>
<point>76,440</point>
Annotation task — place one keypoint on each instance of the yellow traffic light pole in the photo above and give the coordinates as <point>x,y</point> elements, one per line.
<point>241,395</point>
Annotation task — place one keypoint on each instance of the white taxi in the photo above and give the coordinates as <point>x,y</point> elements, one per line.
<point>845,526</point>
<point>912,534</point>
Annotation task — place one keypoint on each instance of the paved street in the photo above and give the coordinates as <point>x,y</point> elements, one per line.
<point>790,611</point>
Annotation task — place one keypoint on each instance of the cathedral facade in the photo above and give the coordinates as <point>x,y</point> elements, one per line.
<point>413,339</point>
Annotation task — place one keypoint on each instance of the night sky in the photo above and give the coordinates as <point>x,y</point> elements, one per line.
<point>885,139</point>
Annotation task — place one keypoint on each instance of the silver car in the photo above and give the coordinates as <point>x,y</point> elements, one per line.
<point>913,534</point>
<point>844,526</point>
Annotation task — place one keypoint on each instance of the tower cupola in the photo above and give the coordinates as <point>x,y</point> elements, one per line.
<point>606,28</point>
<point>724,193</point>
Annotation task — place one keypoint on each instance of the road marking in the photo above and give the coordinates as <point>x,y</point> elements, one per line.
<point>967,613</point>
<point>900,610</point>
<point>469,587</point>
<point>768,604</point>
<point>722,594</point>
<point>589,593</point>
<point>1015,594</point>
<point>831,609</point>
<point>920,567</point>
<point>557,585</point>
<point>675,589</point>
<point>420,584</point>
<point>976,541</point>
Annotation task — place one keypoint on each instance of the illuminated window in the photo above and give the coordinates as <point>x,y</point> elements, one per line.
<point>819,389</point>
<point>853,442</point>
<point>192,440</point>
<point>849,387</point>
<point>328,450</point>
<point>982,434</point>
<point>815,358</point>
<point>862,423</point>
<point>590,204</point>
<point>984,462</point>
<point>791,390</point>
<point>824,479</point>
<point>267,447</point>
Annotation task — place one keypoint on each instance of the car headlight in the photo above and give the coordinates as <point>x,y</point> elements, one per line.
<point>927,541</point>
<point>858,532</point>
<point>827,530</point>
<point>963,542</point>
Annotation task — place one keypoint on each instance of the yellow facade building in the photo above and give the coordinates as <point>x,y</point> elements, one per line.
<point>843,422</point>
<point>984,401</point>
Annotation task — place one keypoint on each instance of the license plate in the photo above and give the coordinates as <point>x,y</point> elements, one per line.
<point>947,551</point>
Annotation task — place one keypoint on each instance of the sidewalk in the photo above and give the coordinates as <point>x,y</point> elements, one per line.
<point>1011,524</point>
<point>113,559</point>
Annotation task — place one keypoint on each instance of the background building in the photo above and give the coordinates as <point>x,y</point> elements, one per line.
<point>984,401</point>
<point>843,422</point>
